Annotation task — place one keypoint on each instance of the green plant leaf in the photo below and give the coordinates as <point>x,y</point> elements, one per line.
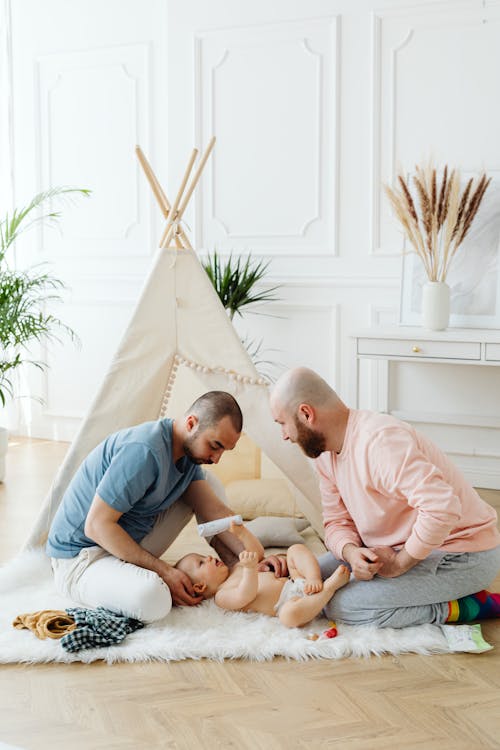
<point>16,223</point>
<point>234,282</point>
<point>26,295</point>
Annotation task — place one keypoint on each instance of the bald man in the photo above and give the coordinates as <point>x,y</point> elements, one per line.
<point>417,536</point>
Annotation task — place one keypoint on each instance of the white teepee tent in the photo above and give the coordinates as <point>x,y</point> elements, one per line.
<point>179,344</point>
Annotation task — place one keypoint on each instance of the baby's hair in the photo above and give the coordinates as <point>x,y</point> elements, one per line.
<point>180,566</point>
<point>207,594</point>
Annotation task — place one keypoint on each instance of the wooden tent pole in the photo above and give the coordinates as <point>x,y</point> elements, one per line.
<point>153,181</point>
<point>191,187</point>
<point>157,189</point>
<point>173,211</point>
<point>196,176</point>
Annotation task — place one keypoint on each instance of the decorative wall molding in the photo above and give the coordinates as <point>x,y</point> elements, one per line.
<point>227,224</point>
<point>308,319</point>
<point>457,419</point>
<point>414,18</point>
<point>93,107</point>
<point>375,213</point>
<point>332,282</point>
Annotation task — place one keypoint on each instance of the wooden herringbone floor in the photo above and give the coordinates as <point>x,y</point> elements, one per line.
<point>445,702</point>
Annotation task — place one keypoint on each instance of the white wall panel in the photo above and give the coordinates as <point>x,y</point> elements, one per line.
<point>94,109</point>
<point>269,95</point>
<point>67,394</point>
<point>434,68</point>
<point>85,95</point>
<point>292,335</point>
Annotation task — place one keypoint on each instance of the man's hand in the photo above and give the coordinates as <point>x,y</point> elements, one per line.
<point>181,588</point>
<point>364,561</point>
<point>276,563</point>
<point>248,559</point>
<point>394,563</point>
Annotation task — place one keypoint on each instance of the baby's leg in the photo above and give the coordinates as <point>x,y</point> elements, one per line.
<point>303,564</point>
<point>301,610</point>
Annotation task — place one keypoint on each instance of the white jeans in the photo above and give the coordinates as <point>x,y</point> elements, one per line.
<point>96,578</point>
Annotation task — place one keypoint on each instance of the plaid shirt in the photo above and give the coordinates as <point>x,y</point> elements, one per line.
<point>97,627</point>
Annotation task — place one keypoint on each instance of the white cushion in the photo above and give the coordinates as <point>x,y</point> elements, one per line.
<point>261,497</point>
<point>272,531</point>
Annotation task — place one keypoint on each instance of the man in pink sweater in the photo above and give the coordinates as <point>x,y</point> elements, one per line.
<point>418,538</point>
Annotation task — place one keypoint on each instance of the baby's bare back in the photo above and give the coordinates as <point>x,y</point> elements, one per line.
<point>268,592</point>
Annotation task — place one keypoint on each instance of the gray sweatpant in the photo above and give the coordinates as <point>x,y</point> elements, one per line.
<point>419,596</point>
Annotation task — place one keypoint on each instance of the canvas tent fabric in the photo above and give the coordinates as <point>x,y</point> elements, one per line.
<point>179,344</point>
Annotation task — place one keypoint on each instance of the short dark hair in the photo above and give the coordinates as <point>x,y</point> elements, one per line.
<point>214,406</point>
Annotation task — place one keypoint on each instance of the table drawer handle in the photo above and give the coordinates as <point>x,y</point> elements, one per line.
<point>415,349</point>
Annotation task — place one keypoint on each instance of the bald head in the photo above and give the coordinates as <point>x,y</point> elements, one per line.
<point>309,412</point>
<point>303,386</point>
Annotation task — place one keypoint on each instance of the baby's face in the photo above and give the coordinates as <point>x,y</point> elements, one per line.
<point>205,569</point>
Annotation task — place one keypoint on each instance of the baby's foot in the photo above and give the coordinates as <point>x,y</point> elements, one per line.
<point>313,586</point>
<point>338,578</point>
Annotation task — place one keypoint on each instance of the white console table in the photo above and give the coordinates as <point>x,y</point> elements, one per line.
<point>407,344</point>
<point>453,347</point>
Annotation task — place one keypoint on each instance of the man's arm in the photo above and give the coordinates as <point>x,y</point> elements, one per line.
<point>101,525</point>
<point>207,506</point>
<point>402,470</point>
<point>244,592</point>
<point>340,529</point>
<point>341,535</point>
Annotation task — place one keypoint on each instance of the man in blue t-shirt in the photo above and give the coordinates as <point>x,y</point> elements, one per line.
<point>129,500</point>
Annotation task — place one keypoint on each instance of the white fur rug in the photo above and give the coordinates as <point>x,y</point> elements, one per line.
<point>190,633</point>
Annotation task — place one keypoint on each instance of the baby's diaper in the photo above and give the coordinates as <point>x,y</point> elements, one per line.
<point>293,587</point>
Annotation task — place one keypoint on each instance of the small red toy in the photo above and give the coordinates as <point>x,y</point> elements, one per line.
<point>331,632</point>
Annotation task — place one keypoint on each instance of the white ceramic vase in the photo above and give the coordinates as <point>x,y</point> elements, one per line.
<point>436,305</point>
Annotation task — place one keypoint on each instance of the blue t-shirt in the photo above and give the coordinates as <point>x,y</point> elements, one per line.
<point>133,472</point>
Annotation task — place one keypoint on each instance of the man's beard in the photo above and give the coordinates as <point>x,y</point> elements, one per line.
<point>312,443</point>
<point>188,443</point>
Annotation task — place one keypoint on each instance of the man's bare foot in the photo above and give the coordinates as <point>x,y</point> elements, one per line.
<point>338,578</point>
<point>313,586</point>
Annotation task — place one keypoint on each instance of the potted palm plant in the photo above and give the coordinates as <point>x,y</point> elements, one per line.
<point>25,295</point>
<point>235,280</point>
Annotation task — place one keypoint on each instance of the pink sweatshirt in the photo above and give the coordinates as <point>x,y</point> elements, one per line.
<point>391,486</point>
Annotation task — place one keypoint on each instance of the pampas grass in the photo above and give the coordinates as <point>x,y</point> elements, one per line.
<point>439,217</point>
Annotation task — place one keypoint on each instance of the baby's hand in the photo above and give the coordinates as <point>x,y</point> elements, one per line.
<point>237,529</point>
<point>313,586</point>
<point>249,559</point>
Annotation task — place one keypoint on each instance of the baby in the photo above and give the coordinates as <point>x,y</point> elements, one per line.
<point>296,600</point>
